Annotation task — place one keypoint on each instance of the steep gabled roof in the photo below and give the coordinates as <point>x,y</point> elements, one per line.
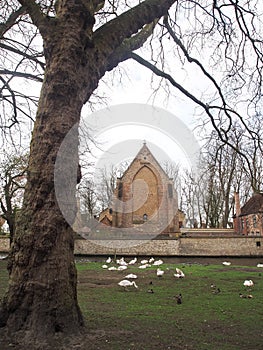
<point>145,154</point>
<point>253,206</point>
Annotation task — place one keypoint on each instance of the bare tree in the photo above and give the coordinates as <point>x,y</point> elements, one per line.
<point>173,172</point>
<point>234,26</point>
<point>190,198</point>
<point>24,62</point>
<point>13,179</point>
<point>82,40</point>
<point>88,198</point>
<point>254,153</point>
<point>96,193</point>
<point>106,183</point>
<point>223,171</point>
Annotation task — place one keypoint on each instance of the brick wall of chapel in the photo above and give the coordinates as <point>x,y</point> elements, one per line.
<point>158,206</point>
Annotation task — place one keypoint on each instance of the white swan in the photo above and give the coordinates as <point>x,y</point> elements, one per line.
<point>108,261</point>
<point>122,262</point>
<point>122,267</point>
<point>126,283</point>
<point>133,261</point>
<point>158,262</point>
<point>179,273</point>
<point>112,268</point>
<point>143,262</point>
<point>144,266</point>
<point>259,265</point>
<point>226,263</point>
<point>248,283</point>
<point>104,266</point>
<point>131,275</point>
<point>159,272</point>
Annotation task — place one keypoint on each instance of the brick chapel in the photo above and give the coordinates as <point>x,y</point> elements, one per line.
<point>144,197</point>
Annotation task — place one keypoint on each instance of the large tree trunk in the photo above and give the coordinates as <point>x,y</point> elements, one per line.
<point>42,298</point>
<point>42,295</point>
<point>42,271</point>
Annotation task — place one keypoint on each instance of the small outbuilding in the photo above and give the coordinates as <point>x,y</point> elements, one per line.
<point>248,219</point>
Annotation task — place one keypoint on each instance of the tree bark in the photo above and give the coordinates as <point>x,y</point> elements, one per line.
<point>42,297</point>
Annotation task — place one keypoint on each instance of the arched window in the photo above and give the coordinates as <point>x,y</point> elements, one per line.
<point>145,217</point>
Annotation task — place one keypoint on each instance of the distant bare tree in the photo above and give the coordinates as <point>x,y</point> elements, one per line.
<point>88,198</point>
<point>190,198</point>
<point>222,171</point>
<point>254,153</point>
<point>12,181</point>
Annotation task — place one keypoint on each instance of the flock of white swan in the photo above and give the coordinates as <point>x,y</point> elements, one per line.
<point>129,280</point>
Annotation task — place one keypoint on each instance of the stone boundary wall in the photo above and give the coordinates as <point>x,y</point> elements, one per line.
<point>192,246</point>
<point>189,246</point>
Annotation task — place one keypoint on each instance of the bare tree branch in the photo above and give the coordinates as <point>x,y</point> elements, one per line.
<point>14,16</point>
<point>22,75</point>
<point>38,18</point>
<point>220,131</point>
<point>116,31</point>
<point>31,57</point>
<point>122,53</point>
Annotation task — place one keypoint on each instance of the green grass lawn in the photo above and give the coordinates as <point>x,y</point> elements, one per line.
<point>136,319</point>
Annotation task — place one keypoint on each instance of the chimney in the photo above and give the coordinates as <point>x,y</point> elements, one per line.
<point>237,204</point>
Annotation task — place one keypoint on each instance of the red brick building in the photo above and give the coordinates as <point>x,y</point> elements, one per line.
<point>144,197</point>
<point>248,219</point>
